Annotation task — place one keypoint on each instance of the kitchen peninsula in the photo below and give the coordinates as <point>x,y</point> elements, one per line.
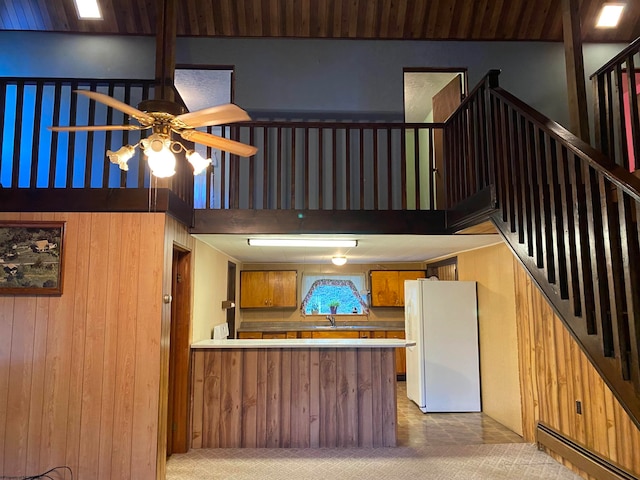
<point>297,393</point>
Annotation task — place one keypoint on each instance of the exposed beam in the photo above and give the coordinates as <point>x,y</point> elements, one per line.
<point>165,50</point>
<point>408,222</point>
<point>578,111</point>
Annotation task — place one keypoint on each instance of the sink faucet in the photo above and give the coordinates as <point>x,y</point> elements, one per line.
<point>332,320</point>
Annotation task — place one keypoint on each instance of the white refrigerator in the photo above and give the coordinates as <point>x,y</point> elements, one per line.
<point>443,368</point>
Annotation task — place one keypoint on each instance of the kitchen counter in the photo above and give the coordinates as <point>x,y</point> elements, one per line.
<point>314,325</point>
<point>306,343</point>
<point>294,393</point>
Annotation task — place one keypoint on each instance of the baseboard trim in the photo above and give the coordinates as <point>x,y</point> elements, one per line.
<point>580,456</point>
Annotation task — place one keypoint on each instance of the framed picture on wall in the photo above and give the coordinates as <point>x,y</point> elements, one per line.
<point>31,258</point>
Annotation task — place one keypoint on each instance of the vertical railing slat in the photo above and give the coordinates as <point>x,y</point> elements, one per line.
<point>376,184</point>
<point>17,135</point>
<point>88,161</point>
<point>265,167</point>
<point>35,142</point>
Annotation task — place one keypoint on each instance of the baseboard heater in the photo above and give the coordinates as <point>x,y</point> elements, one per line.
<point>580,456</point>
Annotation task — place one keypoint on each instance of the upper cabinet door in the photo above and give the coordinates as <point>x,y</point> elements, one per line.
<point>387,286</point>
<point>384,288</point>
<point>268,288</point>
<point>407,275</point>
<point>254,289</point>
<point>283,288</point>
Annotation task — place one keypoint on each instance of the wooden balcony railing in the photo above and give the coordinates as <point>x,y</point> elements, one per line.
<point>616,89</point>
<point>32,157</point>
<point>323,166</point>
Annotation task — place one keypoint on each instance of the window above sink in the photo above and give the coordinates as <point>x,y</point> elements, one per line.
<point>327,294</point>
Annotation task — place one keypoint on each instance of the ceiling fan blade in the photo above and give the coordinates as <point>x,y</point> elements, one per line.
<point>215,141</point>
<point>219,115</point>
<point>94,128</point>
<point>118,105</point>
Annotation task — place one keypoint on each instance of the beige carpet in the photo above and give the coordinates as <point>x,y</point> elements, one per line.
<point>519,461</point>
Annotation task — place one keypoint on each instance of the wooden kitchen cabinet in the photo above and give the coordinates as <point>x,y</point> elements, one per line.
<point>387,286</point>
<point>250,335</point>
<point>401,353</point>
<point>335,334</point>
<point>268,288</point>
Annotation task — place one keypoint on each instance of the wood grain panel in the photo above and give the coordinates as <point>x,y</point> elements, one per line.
<point>314,398</point>
<point>249,398</point>
<point>300,378</point>
<point>80,377</point>
<point>365,399</point>
<point>452,19</point>
<point>93,371</point>
<point>555,374</point>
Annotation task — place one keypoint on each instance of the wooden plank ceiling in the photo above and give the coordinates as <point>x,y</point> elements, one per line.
<point>363,19</point>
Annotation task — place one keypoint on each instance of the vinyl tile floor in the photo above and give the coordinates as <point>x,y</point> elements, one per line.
<point>438,429</point>
<point>443,446</point>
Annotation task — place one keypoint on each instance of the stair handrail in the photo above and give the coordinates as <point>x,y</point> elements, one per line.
<point>570,215</point>
<point>600,162</point>
<point>618,58</point>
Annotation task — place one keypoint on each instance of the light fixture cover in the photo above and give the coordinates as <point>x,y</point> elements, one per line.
<point>339,260</point>
<point>301,242</point>
<point>88,9</point>
<point>198,162</point>
<point>610,15</point>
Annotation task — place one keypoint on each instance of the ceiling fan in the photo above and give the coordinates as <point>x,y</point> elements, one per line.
<point>164,118</point>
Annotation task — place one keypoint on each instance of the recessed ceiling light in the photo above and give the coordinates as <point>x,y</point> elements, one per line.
<point>88,9</point>
<point>300,242</point>
<point>610,15</point>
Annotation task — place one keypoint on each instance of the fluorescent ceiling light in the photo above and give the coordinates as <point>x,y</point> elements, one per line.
<point>88,9</point>
<point>300,242</point>
<point>610,15</point>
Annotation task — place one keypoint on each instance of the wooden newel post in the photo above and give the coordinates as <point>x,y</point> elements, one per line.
<point>578,111</point>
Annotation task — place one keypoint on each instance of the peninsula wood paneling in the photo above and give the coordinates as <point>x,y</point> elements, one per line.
<point>297,398</point>
<point>80,372</point>
<point>555,374</point>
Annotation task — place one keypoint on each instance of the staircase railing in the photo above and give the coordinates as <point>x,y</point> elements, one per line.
<point>616,89</point>
<point>571,217</point>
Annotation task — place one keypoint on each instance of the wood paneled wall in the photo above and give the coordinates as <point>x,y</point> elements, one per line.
<point>300,398</point>
<point>555,374</point>
<point>492,269</point>
<point>80,372</point>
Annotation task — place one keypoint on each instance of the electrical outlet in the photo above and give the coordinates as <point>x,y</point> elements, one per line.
<point>578,407</point>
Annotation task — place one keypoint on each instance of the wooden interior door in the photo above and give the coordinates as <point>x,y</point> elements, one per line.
<point>444,104</point>
<point>179,350</point>
<point>231,295</point>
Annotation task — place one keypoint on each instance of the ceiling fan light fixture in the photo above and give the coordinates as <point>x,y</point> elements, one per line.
<point>198,163</point>
<point>121,156</point>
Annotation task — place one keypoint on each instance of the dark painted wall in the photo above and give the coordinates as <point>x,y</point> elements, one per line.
<point>309,78</point>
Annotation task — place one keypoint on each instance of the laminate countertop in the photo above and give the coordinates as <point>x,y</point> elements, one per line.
<point>324,325</point>
<point>305,343</point>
